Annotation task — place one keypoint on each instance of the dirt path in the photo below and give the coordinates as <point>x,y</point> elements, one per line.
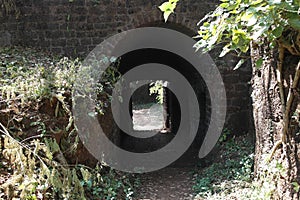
<point>167,184</point>
<point>172,183</point>
<point>149,118</point>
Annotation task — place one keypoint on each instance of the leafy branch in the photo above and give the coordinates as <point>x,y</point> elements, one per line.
<point>238,23</point>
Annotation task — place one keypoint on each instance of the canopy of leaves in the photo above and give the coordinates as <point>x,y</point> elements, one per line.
<point>238,22</point>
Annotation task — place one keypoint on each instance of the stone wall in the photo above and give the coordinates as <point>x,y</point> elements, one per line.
<point>75,28</point>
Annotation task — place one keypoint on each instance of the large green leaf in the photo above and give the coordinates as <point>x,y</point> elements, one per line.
<point>168,8</point>
<point>278,31</point>
<point>239,64</point>
<point>259,63</point>
<point>294,21</point>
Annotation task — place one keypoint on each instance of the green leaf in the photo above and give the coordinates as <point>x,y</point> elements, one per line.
<point>239,64</point>
<point>238,35</point>
<point>165,6</point>
<point>239,31</point>
<point>252,20</point>
<point>259,63</point>
<point>274,2</point>
<point>260,31</point>
<point>206,24</point>
<point>246,16</point>
<point>244,47</point>
<point>295,22</point>
<point>225,50</point>
<point>235,39</point>
<point>296,186</point>
<point>168,8</point>
<point>224,5</point>
<point>256,2</point>
<point>166,15</point>
<point>277,31</point>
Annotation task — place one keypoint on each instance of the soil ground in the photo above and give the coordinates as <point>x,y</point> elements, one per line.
<point>166,184</point>
<point>146,119</point>
<point>173,182</point>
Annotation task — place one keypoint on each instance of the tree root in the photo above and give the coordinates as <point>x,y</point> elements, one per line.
<point>275,147</point>
<point>286,103</point>
<point>279,76</point>
<point>290,99</point>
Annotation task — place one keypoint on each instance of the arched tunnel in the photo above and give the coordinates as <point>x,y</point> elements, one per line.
<point>171,105</point>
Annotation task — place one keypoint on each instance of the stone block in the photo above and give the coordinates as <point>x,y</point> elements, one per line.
<point>5,39</point>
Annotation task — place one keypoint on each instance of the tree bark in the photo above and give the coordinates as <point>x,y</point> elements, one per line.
<point>276,159</point>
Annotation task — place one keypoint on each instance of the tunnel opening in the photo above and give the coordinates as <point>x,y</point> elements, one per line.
<point>149,107</point>
<point>170,110</point>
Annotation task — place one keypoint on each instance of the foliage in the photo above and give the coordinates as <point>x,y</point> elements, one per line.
<point>232,171</point>
<point>107,83</point>
<point>27,75</point>
<point>225,135</point>
<point>36,165</point>
<point>30,75</point>
<point>38,174</point>
<point>236,24</point>
<point>239,22</point>
<point>269,175</point>
<point>242,187</point>
<point>157,88</point>
<point>168,8</point>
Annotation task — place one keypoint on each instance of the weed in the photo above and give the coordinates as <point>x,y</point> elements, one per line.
<point>38,174</point>
<point>232,168</point>
<point>38,167</point>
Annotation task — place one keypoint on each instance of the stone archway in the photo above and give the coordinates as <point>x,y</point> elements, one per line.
<point>143,56</point>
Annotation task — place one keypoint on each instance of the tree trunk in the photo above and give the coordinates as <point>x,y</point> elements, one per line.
<point>276,160</point>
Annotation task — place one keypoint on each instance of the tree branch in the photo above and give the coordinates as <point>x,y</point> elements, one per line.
<point>279,77</point>
<point>290,98</point>
<point>275,147</point>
